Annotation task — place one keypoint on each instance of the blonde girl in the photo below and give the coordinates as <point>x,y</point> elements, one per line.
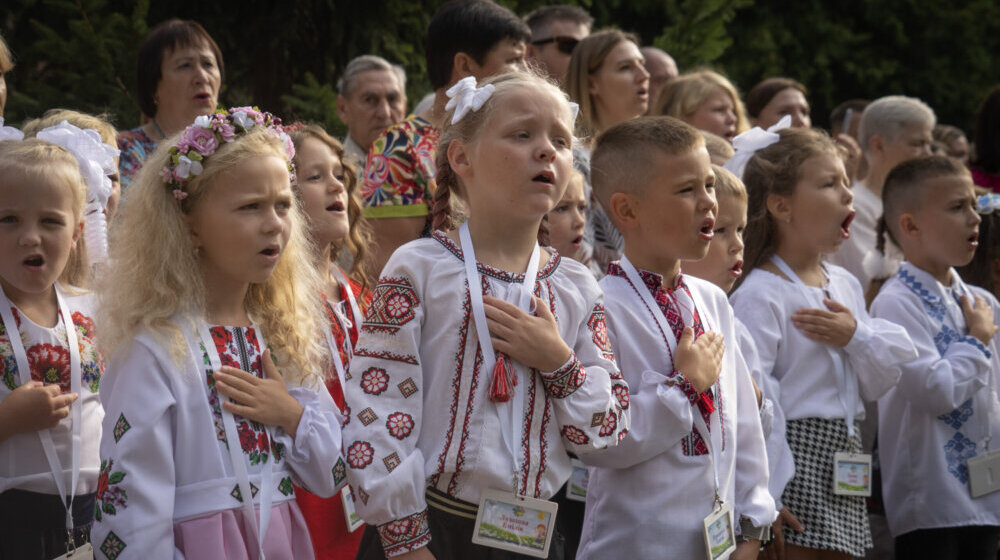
<point>327,188</point>
<point>457,392</point>
<point>204,437</point>
<point>705,100</point>
<point>813,338</point>
<point>50,413</point>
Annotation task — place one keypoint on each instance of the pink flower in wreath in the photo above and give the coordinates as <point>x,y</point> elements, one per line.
<point>374,381</point>
<point>359,454</point>
<point>201,140</point>
<point>575,435</point>
<point>400,425</point>
<point>221,125</point>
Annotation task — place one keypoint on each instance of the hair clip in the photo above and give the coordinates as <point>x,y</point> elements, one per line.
<point>179,194</point>
<point>464,97</point>
<point>988,203</point>
<point>750,142</point>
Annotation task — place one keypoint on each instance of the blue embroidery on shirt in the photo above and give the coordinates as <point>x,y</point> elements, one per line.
<point>944,338</point>
<point>958,450</point>
<point>957,417</point>
<point>932,303</point>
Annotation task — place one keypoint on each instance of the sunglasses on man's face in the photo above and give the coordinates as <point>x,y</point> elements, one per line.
<point>564,44</point>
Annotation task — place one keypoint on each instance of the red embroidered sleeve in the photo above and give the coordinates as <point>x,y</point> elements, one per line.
<point>405,535</point>
<point>564,381</point>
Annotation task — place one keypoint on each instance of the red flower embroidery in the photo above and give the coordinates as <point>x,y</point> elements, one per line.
<point>84,324</point>
<point>609,425</point>
<point>621,393</point>
<point>248,439</point>
<point>575,435</point>
<point>374,381</point>
<point>263,443</point>
<point>359,454</point>
<point>400,425</point>
<point>222,338</point>
<point>50,364</point>
<point>227,360</point>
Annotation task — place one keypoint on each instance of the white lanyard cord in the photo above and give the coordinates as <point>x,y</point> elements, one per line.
<point>513,410</point>
<point>338,364</point>
<point>356,315</point>
<point>847,383</point>
<point>654,309</point>
<point>17,345</point>
<point>239,462</point>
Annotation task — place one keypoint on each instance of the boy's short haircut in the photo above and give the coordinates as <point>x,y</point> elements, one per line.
<point>728,184</point>
<point>887,116</point>
<point>623,157</point>
<point>718,147</point>
<point>904,186</point>
<point>540,19</point>
<point>473,27</point>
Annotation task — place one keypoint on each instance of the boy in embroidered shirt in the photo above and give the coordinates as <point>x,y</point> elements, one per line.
<point>944,408</point>
<point>654,178</point>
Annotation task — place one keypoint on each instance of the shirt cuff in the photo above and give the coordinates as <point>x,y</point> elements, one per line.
<point>564,381</point>
<point>677,379</point>
<point>405,535</point>
<point>978,345</point>
<point>862,334</point>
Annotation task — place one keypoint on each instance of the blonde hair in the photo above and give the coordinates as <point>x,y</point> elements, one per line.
<point>6,57</point>
<point>717,146</point>
<point>359,234</point>
<point>682,96</point>
<point>588,57</point>
<point>156,273</point>
<point>468,128</point>
<point>52,117</point>
<point>34,160</point>
<point>728,184</point>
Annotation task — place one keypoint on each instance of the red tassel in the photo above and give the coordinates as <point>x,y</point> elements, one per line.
<point>504,380</point>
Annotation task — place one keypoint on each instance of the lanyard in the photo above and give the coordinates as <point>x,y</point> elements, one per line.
<point>514,409</point>
<point>355,310</point>
<point>709,436</point>
<point>236,451</point>
<point>25,374</point>
<point>338,364</point>
<point>847,383</point>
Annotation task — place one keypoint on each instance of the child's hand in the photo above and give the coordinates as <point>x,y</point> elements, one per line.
<point>979,318</point>
<point>33,407</point>
<point>262,400</point>
<point>532,340</point>
<point>834,327</point>
<point>776,550</point>
<point>746,550</point>
<point>700,360</point>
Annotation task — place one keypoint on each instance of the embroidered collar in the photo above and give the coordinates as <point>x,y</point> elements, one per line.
<point>485,269</point>
<point>927,287</point>
<point>652,280</point>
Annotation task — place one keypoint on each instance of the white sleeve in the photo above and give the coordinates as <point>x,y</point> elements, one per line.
<point>935,383</point>
<point>877,351</point>
<point>133,514</point>
<point>315,452</point>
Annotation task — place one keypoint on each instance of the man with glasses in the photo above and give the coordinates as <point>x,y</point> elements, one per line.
<point>555,31</point>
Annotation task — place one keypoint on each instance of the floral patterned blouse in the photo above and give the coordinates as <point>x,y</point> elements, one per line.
<point>135,146</point>
<point>398,180</point>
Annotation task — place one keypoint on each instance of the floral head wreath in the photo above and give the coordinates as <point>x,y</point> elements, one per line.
<point>750,142</point>
<point>988,203</point>
<point>464,97</point>
<point>203,138</point>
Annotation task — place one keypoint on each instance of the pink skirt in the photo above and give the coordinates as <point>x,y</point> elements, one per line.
<point>229,535</point>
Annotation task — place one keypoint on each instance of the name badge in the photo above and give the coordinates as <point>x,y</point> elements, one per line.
<point>354,521</point>
<point>515,523</point>
<point>984,473</point>
<point>852,474</point>
<point>83,552</point>
<point>720,537</point>
<point>576,488</point>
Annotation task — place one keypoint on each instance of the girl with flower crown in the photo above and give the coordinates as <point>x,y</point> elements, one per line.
<point>205,434</point>
<point>50,412</point>
<point>457,394</point>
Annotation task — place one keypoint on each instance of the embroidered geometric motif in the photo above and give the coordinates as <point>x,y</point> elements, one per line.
<point>932,304</point>
<point>621,394</point>
<point>285,486</point>
<point>565,381</point>
<point>385,355</point>
<point>363,495</point>
<point>408,387</point>
<point>121,426</point>
<point>575,435</point>
<point>599,332</point>
<point>958,450</point>
<point>597,419</point>
<point>399,424</point>
<point>110,497</point>
<point>374,381</point>
<point>392,306</point>
<point>610,425</point>
<point>392,461</point>
<point>339,472</point>
<point>367,416</point>
<point>239,495</point>
<point>404,534</point>
<point>957,417</point>
<point>945,337</point>
<point>360,455</point>
<point>112,546</point>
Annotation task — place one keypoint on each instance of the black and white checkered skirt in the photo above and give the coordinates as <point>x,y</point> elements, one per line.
<point>832,522</point>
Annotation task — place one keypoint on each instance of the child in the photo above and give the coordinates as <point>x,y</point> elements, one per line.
<point>50,407</point>
<point>984,268</point>
<point>668,329</point>
<point>327,190</point>
<point>943,412</point>
<point>800,209</point>
<point>199,460</point>
<point>452,391</point>
<point>707,101</point>
<point>567,222</point>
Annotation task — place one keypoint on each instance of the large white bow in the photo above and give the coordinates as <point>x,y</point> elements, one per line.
<point>465,96</point>
<point>747,144</point>
<point>9,132</point>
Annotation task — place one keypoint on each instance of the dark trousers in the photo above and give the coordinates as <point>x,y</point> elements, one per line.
<point>451,539</point>
<point>950,543</point>
<point>34,525</point>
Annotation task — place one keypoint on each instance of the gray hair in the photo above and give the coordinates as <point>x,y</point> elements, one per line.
<point>367,63</point>
<point>887,116</point>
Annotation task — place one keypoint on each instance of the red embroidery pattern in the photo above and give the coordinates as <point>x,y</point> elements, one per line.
<point>359,455</point>
<point>621,394</point>
<point>374,381</point>
<point>383,355</point>
<point>393,303</point>
<point>400,425</point>
<point>50,364</point>
<point>599,332</point>
<point>566,380</point>
<point>456,382</point>
<point>609,425</point>
<point>404,535</point>
<point>575,435</point>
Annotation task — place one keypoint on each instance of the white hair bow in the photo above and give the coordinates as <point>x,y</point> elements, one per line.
<point>748,143</point>
<point>9,132</point>
<point>988,203</point>
<point>96,161</point>
<point>465,96</point>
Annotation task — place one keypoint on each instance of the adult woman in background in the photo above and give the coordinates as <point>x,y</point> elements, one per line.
<point>773,98</point>
<point>178,77</point>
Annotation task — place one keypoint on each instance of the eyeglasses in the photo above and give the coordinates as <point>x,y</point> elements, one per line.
<point>564,44</point>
